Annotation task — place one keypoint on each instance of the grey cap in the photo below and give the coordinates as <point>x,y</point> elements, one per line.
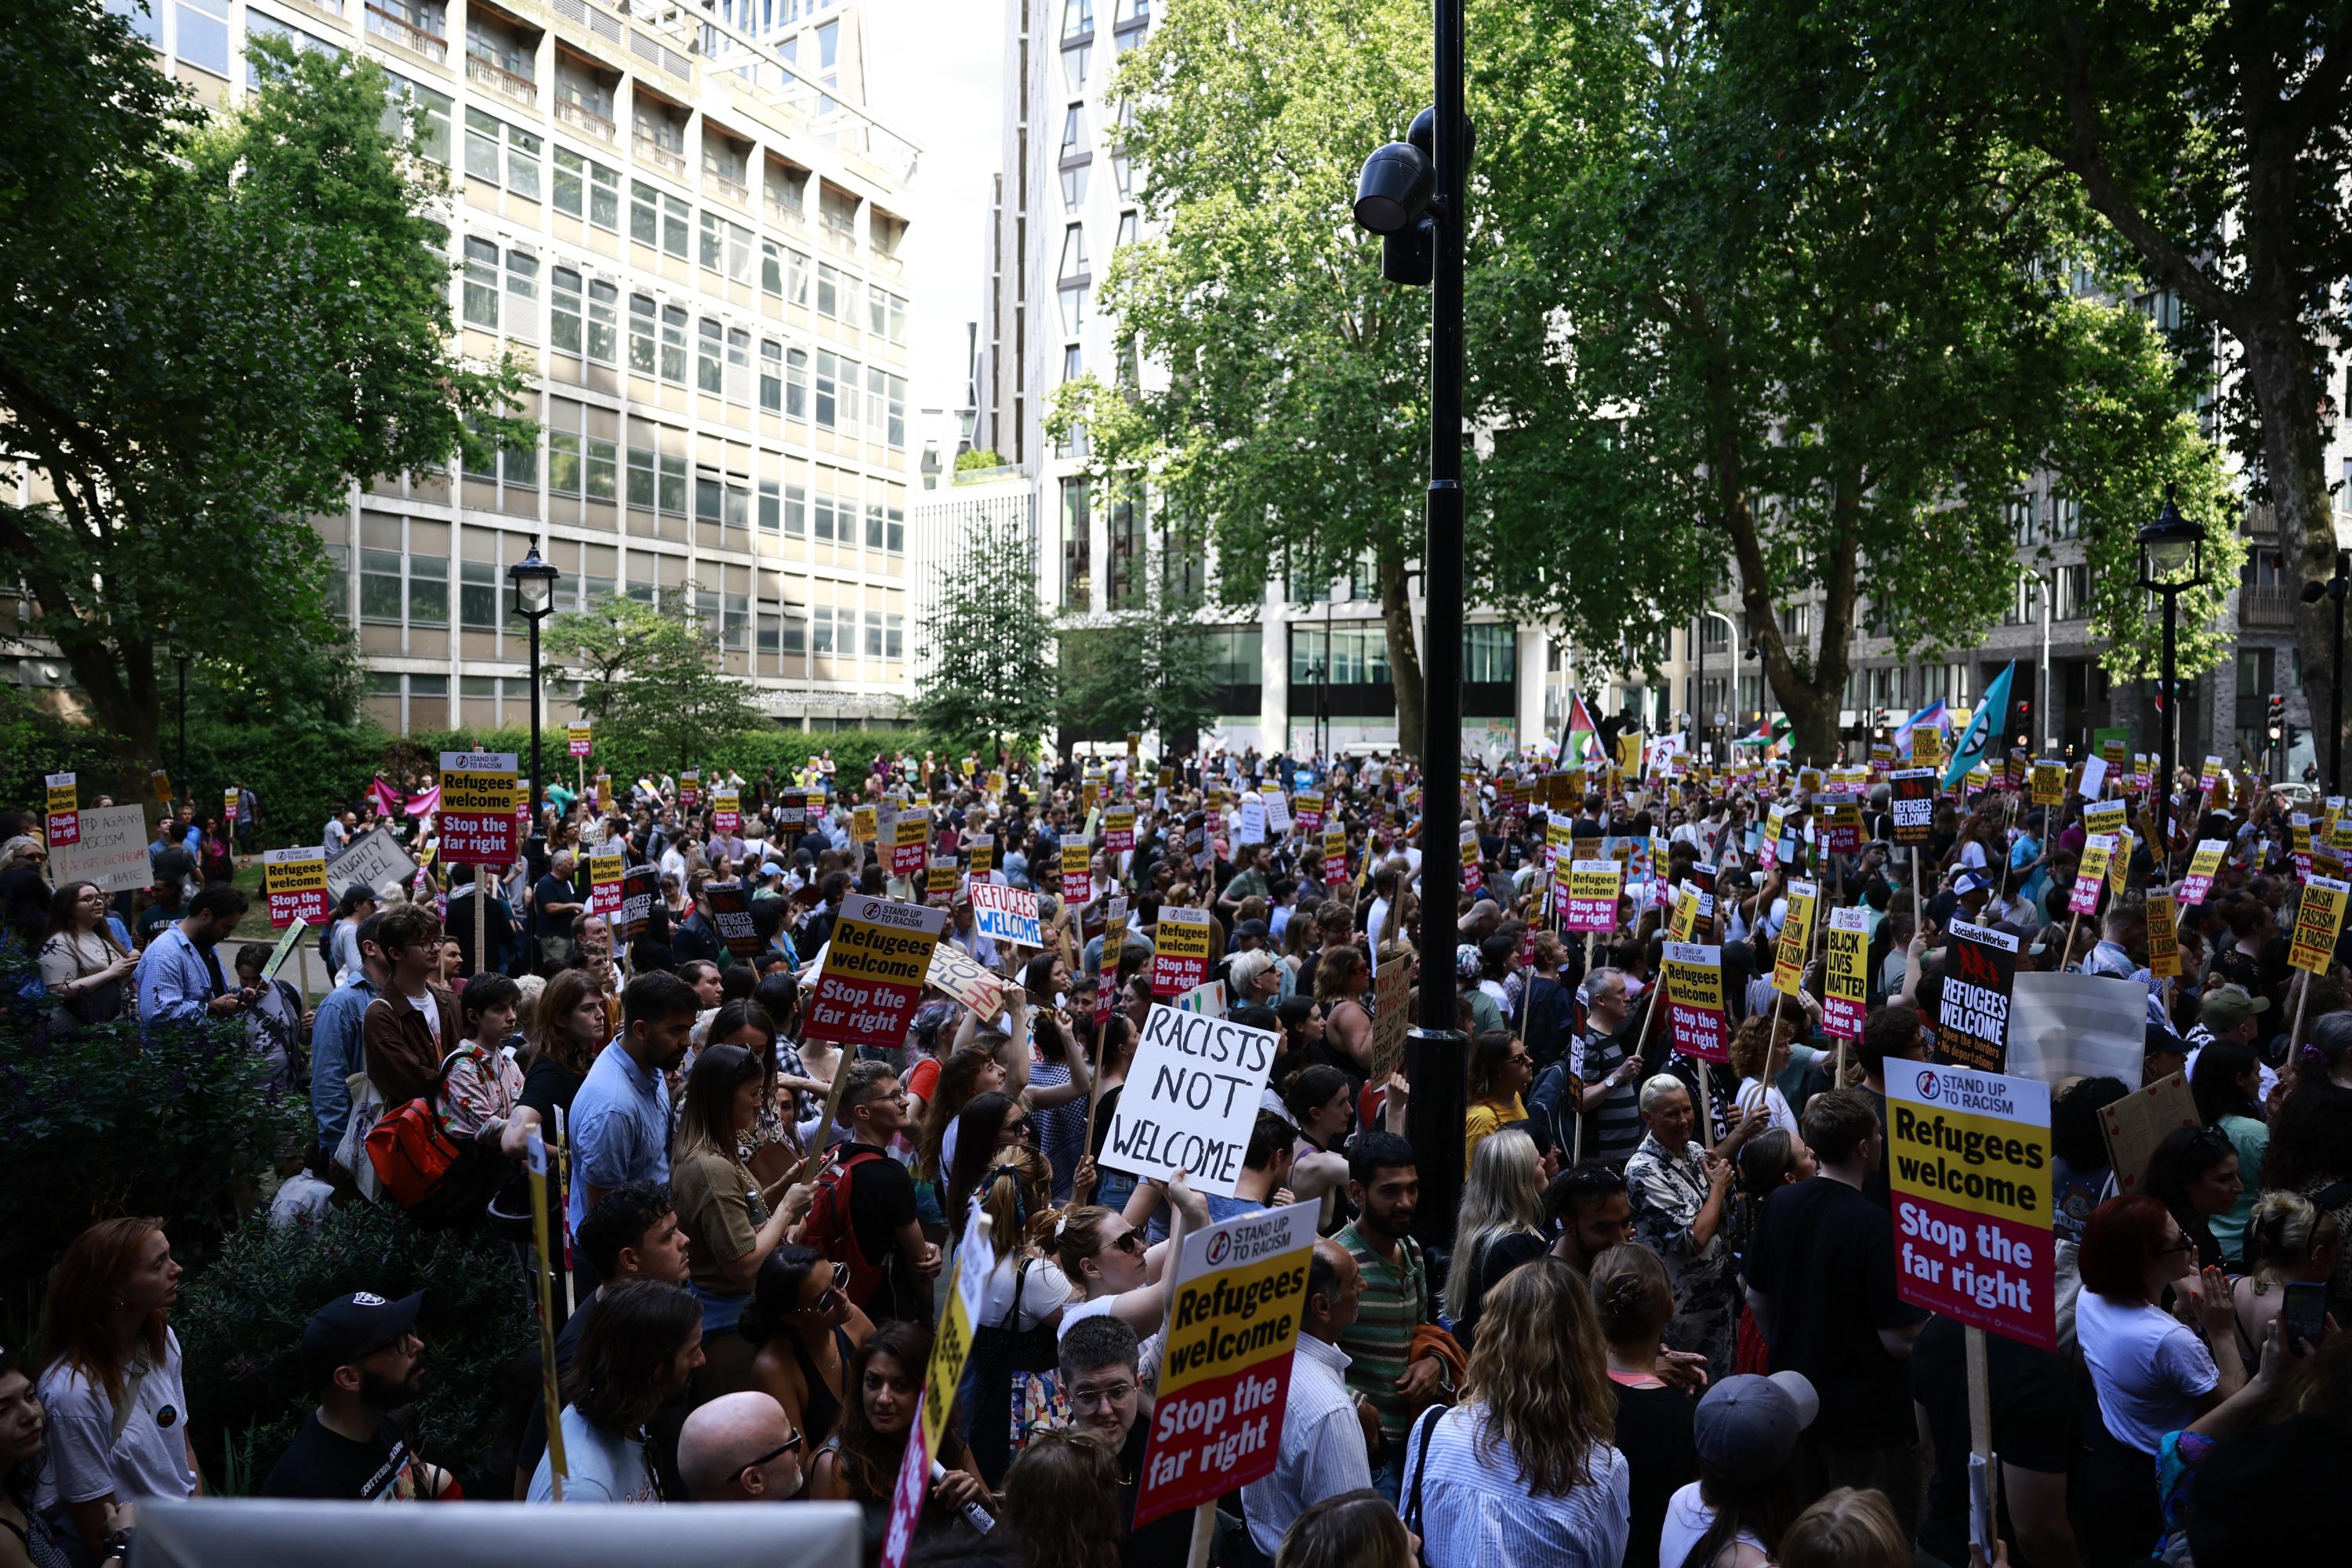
<point>1747,1427</point>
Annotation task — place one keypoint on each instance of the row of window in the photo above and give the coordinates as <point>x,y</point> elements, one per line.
<point>511,157</point>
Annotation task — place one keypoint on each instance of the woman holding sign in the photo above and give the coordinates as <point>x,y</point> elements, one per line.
<point>87,958</point>
<point>859,1463</point>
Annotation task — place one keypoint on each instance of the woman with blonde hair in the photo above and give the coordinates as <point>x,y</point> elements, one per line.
<point>2289,1240</point>
<point>1846,1528</point>
<point>1500,1225</point>
<point>1011,1389</point>
<point>1341,975</point>
<point>1523,1469</point>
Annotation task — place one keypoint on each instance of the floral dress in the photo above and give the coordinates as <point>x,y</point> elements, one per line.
<point>1668,1190</point>
<point>482,1085</point>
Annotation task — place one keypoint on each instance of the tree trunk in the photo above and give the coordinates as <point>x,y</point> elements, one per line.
<point>1812,694</point>
<point>1404,656</point>
<point>2278,362</point>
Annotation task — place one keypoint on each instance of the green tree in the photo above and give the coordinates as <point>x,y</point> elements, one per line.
<point>1755,331</point>
<point>1293,419</point>
<point>978,460</point>
<point>1145,667</point>
<point>652,677</point>
<point>2208,141</point>
<point>982,677</point>
<point>211,329</point>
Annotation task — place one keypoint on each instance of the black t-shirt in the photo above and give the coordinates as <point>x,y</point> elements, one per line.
<point>327,1466</point>
<point>881,1199</point>
<point>549,890</point>
<point>2032,1426</point>
<point>1654,1433</point>
<point>1166,1541</point>
<point>153,919</point>
<point>1825,1255</point>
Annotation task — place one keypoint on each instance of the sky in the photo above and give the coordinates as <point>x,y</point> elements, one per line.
<point>933,72</point>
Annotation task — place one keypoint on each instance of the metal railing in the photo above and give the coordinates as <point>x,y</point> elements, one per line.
<point>790,216</point>
<point>2267,607</point>
<point>734,190</point>
<point>401,31</point>
<point>492,75</point>
<point>842,239</point>
<point>578,115</point>
<point>659,153</point>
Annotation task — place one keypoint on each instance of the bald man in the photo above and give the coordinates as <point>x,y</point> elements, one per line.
<point>740,1448</point>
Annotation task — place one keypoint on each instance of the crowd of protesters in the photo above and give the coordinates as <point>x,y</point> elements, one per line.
<point>1657,1337</point>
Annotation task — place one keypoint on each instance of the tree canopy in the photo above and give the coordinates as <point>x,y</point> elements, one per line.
<point>651,677</point>
<point>982,677</point>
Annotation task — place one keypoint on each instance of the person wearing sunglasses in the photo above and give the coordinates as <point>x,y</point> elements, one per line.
<point>806,1331</point>
<point>741,1447</point>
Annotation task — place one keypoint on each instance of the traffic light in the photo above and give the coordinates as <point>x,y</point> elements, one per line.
<point>2277,717</point>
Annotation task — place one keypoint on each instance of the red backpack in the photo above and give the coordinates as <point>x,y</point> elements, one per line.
<point>828,1229</point>
<point>440,1182</point>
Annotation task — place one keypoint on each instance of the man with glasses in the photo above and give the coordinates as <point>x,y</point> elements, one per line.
<point>1326,1432</point>
<point>739,1447</point>
<point>1098,1358</point>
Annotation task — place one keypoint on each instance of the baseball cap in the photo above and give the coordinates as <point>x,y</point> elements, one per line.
<point>1747,1427</point>
<point>1968,882</point>
<point>1250,928</point>
<point>352,1327</point>
<point>2227,1006</point>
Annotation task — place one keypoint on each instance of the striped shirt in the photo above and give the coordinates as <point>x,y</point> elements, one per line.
<point>1379,1342</point>
<point>1615,1130</point>
<point>1476,1512</point>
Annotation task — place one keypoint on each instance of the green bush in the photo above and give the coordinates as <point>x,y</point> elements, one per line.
<point>240,1325</point>
<point>748,754</point>
<point>119,1121</point>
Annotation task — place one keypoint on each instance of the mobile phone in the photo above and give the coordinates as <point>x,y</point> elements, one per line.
<point>2305,1312</point>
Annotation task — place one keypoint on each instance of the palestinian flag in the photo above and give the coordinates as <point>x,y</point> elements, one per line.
<point>1767,735</point>
<point>1579,743</point>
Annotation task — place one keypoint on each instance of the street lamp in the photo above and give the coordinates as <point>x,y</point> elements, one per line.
<point>1700,708</point>
<point>2335,588</point>
<point>2169,546</point>
<point>1413,193</point>
<point>534,601</point>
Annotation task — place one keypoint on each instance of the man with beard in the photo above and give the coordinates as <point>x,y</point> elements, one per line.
<point>1384,1184</point>
<point>363,1355</point>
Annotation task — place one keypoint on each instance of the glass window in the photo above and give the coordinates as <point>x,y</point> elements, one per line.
<point>771,630</point>
<point>521,463</point>
<point>820,630</point>
<point>735,631</point>
<point>795,632</point>
<point>896,432</point>
<point>673,344</point>
<point>477,596</point>
<point>894,531</point>
<point>481,302</point>
<point>772,375</point>
<point>338,581</point>
<point>706,497</point>
<point>770,507</point>
<point>641,478</point>
<point>771,268</point>
<point>1074,311</point>
<point>737,514</point>
<point>714,241</point>
<point>1074,254</point>
<point>645,213</point>
<point>824,515</point>
<point>1074,361</point>
<point>428,590</point>
<point>849,396</point>
<point>852,291</point>
<point>203,34</point>
<point>676,216</point>
<point>605,197</point>
<point>1122,174</point>
<point>828,290</point>
<point>898,320</point>
<point>673,485</point>
<point>483,136</point>
<point>873,634</point>
<point>642,334</point>
<point>603,321</point>
<point>873,525</point>
<point>564,461</point>
<point>797,511</point>
<point>828,371</point>
<point>1077,547</point>
<point>1074,66</point>
<point>1074,185</point>
<point>523,295</point>
<point>571,193</point>
<point>738,366</point>
<point>419,117</point>
<point>895,639</point>
<point>380,587</point>
<point>742,254</point>
<point>599,474</point>
<point>1489,653</point>
<point>709,356</point>
<point>564,327</point>
<point>1077,19</point>
<point>796,383</point>
<point>796,278</point>
<point>1130,229</point>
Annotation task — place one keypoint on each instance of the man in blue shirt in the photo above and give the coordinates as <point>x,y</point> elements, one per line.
<point>179,978</point>
<point>336,1049</point>
<point>620,1118</point>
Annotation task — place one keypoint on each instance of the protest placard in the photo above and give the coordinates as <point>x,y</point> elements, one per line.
<point>64,806</point>
<point>2134,1126</point>
<point>2319,921</point>
<point>1249,825</point>
<point>1845,982</point>
<point>910,837</point>
<point>1768,848</point>
<point>1967,1161</point>
<point>863,823</point>
<point>1180,955</point>
<point>294,881</point>
<point>1308,806</point>
<point>1335,856</point>
<point>982,855</point>
<point>579,737</point>
<point>725,810</point>
<point>1119,830</point>
<point>957,973</point>
<point>975,1259</point>
<point>2120,863</point>
<point>640,885</point>
<point>477,821</point>
<point>284,950</point>
<point>1392,1018</point>
<point>1927,747</point>
<point>1224,1379</point>
<point>158,785</point>
<point>1796,943</point>
<point>2163,937</point>
<point>2204,864</point>
<point>940,880</point>
<point>605,793</point>
<point>875,968</point>
<point>606,869</point>
<point>1589,901</point>
<point>1839,826</point>
<point>1191,1098</point>
<point>109,849</point>
<point>1114,940</point>
<point>2095,778</point>
<point>689,788</point>
<point>2091,874</point>
<point>730,916</point>
<point>2049,785</point>
<point>1077,871</point>
<point>370,861</point>
<point>1006,914</point>
<point>1694,982</point>
<point>1972,1015</point>
<point>2104,817</point>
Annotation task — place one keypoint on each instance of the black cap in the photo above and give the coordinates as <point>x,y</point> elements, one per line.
<point>352,1328</point>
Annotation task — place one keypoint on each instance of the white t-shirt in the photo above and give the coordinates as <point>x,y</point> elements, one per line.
<point>1687,1518</point>
<point>85,1461</point>
<point>1044,1289</point>
<point>2147,1366</point>
<point>1751,1090</point>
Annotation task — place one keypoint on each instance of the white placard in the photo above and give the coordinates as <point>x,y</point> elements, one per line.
<point>1006,914</point>
<point>1190,1100</point>
<point>112,850</point>
<point>371,859</point>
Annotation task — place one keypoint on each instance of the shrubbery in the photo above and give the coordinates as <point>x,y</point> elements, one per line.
<point>240,1325</point>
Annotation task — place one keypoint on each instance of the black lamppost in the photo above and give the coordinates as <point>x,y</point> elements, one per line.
<point>1413,193</point>
<point>2335,588</point>
<point>2168,547</point>
<point>534,601</point>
